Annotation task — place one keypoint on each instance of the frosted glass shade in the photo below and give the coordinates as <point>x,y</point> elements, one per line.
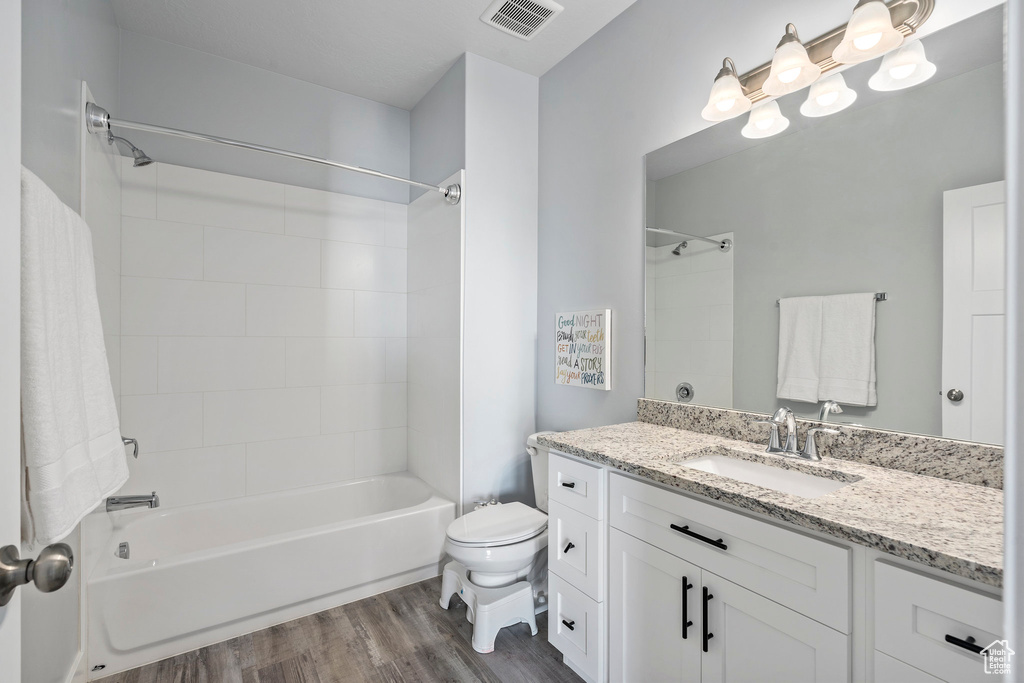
<point>727,99</point>
<point>828,96</point>
<point>766,120</point>
<point>868,35</point>
<point>791,68</point>
<point>903,68</point>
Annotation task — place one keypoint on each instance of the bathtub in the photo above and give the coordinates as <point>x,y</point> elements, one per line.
<point>204,573</point>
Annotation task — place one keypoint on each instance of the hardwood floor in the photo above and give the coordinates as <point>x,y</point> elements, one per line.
<point>395,637</point>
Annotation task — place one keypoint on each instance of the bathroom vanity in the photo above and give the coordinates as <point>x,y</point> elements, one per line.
<point>677,555</point>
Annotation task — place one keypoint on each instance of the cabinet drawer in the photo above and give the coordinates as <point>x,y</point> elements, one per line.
<point>576,485</point>
<point>890,670</point>
<point>576,627</point>
<point>576,549</point>
<point>914,613</point>
<point>805,574</point>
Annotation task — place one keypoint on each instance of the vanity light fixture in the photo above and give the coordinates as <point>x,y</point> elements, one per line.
<point>727,99</point>
<point>828,96</point>
<point>791,68</point>
<point>869,33</point>
<point>906,67</point>
<point>766,120</point>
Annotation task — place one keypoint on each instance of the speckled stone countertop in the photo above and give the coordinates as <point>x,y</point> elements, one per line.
<point>949,525</point>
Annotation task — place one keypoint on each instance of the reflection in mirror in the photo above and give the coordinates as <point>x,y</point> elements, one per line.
<point>901,192</point>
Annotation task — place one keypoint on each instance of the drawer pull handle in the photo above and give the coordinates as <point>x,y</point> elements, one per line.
<point>571,625</point>
<point>686,622</point>
<point>968,644</point>
<point>708,635</point>
<point>569,484</point>
<point>694,534</point>
<point>568,546</point>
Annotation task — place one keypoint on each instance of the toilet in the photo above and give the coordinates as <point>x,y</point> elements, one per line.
<point>499,559</point>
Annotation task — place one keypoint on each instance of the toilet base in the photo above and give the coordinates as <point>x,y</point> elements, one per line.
<point>488,609</point>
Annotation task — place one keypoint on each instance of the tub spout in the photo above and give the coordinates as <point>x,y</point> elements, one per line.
<point>115,503</point>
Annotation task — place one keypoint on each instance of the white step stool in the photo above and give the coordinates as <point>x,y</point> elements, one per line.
<point>488,609</point>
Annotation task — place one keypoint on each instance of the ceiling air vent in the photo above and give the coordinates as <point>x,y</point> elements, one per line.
<point>522,18</point>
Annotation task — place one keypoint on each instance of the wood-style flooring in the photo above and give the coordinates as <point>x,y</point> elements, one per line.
<point>395,637</point>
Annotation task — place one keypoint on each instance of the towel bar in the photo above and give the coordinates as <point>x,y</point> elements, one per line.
<point>879,296</point>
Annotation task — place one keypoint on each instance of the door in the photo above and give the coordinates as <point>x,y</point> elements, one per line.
<point>973,312</point>
<point>10,316</point>
<point>751,638</point>
<point>654,614</point>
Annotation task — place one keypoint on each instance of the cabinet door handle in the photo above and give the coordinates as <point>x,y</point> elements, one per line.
<point>708,635</point>
<point>968,644</point>
<point>693,534</point>
<point>568,546</point>
<point>686,611</point>
<point>571,625</point>
<point>569,484</point>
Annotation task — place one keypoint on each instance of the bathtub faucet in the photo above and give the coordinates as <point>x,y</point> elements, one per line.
<point>124,502</point>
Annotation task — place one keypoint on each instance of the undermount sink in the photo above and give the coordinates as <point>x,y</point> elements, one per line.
<point>775,478</point>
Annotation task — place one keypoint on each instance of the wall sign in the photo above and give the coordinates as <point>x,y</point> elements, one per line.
<point>583,348</point>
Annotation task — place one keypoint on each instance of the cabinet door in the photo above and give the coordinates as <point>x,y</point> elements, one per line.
<point>654,614</point>
<point>751,638</point>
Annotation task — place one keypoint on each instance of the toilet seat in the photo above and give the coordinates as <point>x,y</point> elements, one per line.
<point>497,525</point>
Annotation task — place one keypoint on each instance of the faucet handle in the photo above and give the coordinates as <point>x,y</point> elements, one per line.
<point>773,440</point>
<point>810,445</point>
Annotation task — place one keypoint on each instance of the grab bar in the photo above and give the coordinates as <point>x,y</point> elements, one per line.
<point>134,443</point>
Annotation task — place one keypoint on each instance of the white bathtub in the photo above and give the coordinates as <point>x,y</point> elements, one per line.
<point>204,573</point>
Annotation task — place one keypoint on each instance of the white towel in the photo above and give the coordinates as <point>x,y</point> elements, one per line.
<point>847,368</point>
<point>799,348</point>
<point>73,454</point>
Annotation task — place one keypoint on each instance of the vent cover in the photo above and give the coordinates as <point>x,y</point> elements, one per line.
<point>522,18</point>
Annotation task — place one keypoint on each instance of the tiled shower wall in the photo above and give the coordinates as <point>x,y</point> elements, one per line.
<point>263,334</point>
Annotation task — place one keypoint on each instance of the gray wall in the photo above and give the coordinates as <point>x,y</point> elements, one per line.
<point>853,204</point>
<point>635,86</point>
<point>438,130</point>
<point>169,85</point>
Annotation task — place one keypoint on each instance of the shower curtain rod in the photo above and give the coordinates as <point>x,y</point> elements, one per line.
<point>722,244</point>
<point>98,120</point>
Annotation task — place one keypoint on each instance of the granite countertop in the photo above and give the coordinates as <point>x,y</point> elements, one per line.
<point>945,524</point>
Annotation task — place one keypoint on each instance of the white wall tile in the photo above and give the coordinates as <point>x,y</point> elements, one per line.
<point>190,195</point>
<point>396,225</point>
<point>152,248</point>
<point>154,306</point>
<point>299,312</point>
<point>187,477</point>
<point>260,415</point>
<point>721,321</point>
<point>397,360</point>
<point>332,216</point>
<point>363,267</point>
<point>436,312</point>
<point>326,361</point>
<point>165,422</point>
<point>380,452</point>
<point>108,294</point>
<point>690,322</point>
<point>139,365</point>
<point>244,256</point>
<point>363,407</point>
<point>112,344</point>
<point>435,262</point>
<point>291,463</point>
<point>138,189</point>
<point>712,357</point>
<point>221,363</point>
<point>379,314</point>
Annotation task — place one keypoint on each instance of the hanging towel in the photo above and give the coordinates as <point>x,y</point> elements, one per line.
<point>73,454</point>
<point>799,348</point>
<point>847,368</point>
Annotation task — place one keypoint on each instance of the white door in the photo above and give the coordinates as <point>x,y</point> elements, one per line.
<point>10,317</point>
<point>973,312</point>
<point>654,614</point>
<point>752,638</point>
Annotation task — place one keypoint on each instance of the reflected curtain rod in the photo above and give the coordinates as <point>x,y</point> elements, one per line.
<point>98,120</point>
<point>721,244</point>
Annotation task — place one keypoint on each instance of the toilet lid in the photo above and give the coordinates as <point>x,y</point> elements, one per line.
<point>498,524</point>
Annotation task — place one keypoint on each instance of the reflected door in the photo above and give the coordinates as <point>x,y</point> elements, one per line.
<point>973,313</point>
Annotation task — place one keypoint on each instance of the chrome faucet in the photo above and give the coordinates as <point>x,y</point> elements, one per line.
<point>828,407</point>
<point>115,503</point>
<point>785,416</point>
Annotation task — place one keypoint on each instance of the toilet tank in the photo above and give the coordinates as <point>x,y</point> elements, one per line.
<point>539,462</point>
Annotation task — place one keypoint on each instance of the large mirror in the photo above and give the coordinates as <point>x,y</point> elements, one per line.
<point>900,195</point>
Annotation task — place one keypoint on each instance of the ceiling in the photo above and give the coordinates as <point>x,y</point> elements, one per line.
<point>391,51</point>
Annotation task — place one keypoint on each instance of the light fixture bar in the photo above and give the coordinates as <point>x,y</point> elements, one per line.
<point>907,18</point>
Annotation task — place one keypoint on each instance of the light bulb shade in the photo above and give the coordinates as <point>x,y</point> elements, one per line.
<point>766,120</point>
<point>869,34</point>
<point>903,68</point>
<point>791,68</point>
<point>828,96</point>
<point>727,99</point>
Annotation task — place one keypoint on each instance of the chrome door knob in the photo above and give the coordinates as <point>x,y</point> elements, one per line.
<point>49,573</point>
<point>955,395</point>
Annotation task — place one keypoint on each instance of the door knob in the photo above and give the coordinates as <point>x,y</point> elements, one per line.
<point>955,395</point>
<point>49,573</point>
